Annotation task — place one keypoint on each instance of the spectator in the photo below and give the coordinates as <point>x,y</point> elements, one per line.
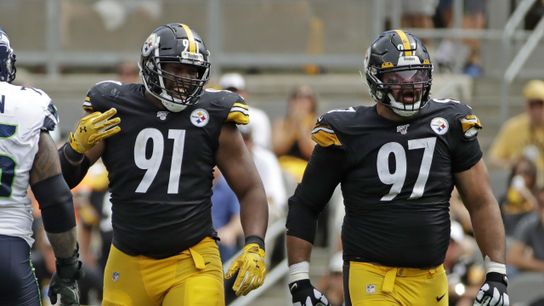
<point>291,140</point>
<point>270,172</point>
<point>114,13</point>
<point>128,72</point>
<point>465,274</point>
<point>527,252</point>
<point>226,217</point>
<point>418,14</point>
<point>260,123</point>
<point>520,197</point>
<point>474,17</point>
<point>522,135</point>
<point>226,220</point>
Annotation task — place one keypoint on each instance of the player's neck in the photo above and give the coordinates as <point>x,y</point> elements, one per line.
<point>156,102</point>
<point>387,113</point>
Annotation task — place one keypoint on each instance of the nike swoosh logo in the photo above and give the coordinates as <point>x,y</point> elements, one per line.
<point>439,298</point>
<point>294,286</point>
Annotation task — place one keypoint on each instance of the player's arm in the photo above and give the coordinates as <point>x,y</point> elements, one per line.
<point>55,202</point>
<point>85,145</point>
<point>236,164</point>
<point>322,175</point>
<point>473,186</point>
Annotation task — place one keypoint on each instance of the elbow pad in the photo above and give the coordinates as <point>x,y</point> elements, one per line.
<point>74,165</point>
<point>56,205</point>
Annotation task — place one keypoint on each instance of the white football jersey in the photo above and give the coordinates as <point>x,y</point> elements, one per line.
<point>24,112</point>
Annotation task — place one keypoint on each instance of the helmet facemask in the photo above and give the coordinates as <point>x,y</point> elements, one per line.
<point>405,91</point>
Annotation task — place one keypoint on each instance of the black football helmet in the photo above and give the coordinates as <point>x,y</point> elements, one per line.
<point>398,72</point>
<point>7,59</point>
<point>174,43</point>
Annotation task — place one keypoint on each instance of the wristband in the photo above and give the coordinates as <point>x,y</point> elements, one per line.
<point>72,156</point>
<point>491,266</point>
<point>255,239</point>
<point>299,271</point>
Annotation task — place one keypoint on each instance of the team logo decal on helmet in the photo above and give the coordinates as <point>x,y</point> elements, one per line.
<point>398,71</point>
<point>151,43</point>
<point>440,125</point>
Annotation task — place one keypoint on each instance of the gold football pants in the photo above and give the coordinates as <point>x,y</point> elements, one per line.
<point>192,278</point>
<point>375,285</point>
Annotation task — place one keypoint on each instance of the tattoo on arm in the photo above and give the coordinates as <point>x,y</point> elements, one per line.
<point>46,162</point>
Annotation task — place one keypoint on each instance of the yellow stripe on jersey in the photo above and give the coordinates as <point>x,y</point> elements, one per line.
<point>470,121</point>
<point>325,136</point>
<point>238,114</point>
<point>470,125</point>
<point>87,105</point>
<point>405,42</point>
<point>190,37</point>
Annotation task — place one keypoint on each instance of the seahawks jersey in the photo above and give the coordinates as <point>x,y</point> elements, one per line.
<point>396,179</point>
<point>24,112</point>
<point>160,166</point>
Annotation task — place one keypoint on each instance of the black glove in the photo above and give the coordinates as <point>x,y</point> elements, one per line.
<point>493,291</point>
<point>64,281</point>
<point>304,294</point>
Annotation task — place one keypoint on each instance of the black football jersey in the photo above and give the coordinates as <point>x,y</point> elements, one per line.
<point>396,179</point>
<point>160,166</point>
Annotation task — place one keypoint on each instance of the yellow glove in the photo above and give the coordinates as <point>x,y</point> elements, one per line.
<point>93,128</point>
<point>251,269</point>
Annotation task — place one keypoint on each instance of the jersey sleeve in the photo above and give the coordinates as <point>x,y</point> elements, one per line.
<point>324,134</point>
<point>98,96</point>
<point>466,149</point>
<point>50,113</point>
<point>238,113</point>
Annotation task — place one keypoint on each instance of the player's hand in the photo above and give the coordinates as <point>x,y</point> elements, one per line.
<point>64,281</point>
<point>250,267</point>
<point>304,294</point>
<point>93,128</point>
<point>493,291</point>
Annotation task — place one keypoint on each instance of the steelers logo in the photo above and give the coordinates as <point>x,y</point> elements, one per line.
<point>440,125</point>
<point>200,117</point>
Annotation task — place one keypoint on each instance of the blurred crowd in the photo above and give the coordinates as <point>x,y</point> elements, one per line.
<point>282,146</point>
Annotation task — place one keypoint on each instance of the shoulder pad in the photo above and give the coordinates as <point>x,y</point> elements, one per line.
<point>97,94</point>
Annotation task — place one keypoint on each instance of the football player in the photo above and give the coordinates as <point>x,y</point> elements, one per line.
<point>397,163</point>
<point>160,141</point>
<point>28,157</point>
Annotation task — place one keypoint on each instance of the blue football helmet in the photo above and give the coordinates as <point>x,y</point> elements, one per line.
<point>7,59</point>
